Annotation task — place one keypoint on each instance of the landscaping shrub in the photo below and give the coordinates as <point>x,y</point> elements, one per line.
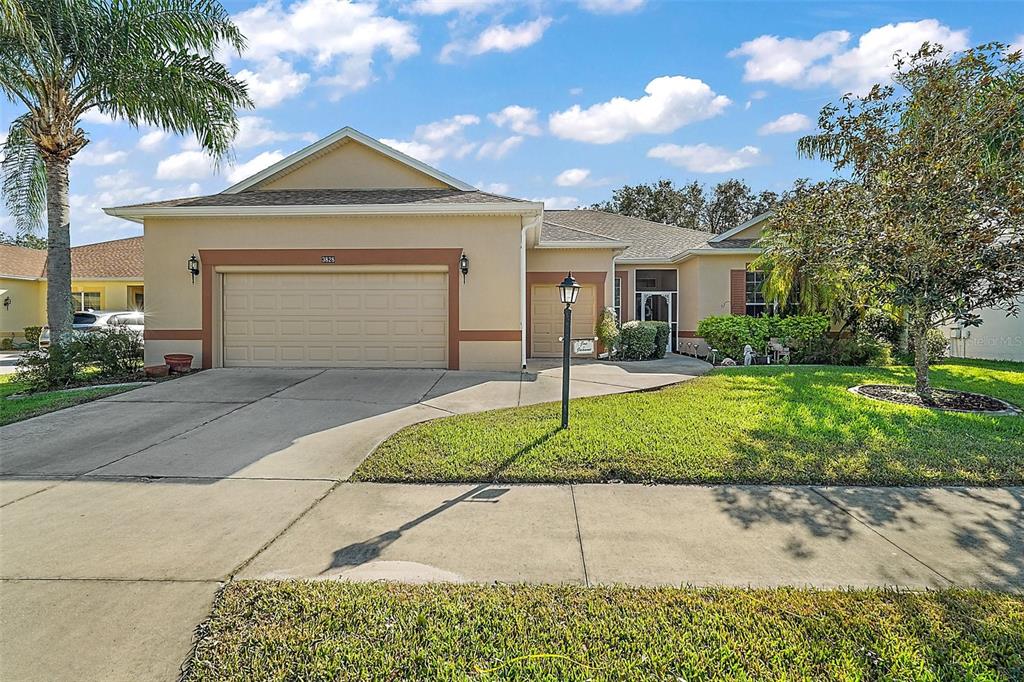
<point>107,354</point>
<point>662,330</point>
<point>115,352</point>
<point>7,343</point>
<point>730,333</point>
<point>607,330</point>
<point>56,367</point>
<point>860,349</point>
<point>638,340</point>
<point>32,335</point>
<point>883,326</point>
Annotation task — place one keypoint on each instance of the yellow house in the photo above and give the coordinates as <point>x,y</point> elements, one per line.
<point>351,253</point>
<point>104,276</point>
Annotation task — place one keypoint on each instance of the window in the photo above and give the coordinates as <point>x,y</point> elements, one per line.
<point>754,296</point>
<point>82,319</point>
<point>86,300</point>
<point>617,299</point>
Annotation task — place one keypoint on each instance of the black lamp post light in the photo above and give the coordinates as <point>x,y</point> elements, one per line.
<point>464,266</point>
<point>568,290</point>
<point>193,267</point>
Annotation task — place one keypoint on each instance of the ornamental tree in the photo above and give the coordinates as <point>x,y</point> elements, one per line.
<point>927,214</point>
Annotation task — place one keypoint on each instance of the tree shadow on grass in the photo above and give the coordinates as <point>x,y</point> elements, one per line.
<point>370,550</point>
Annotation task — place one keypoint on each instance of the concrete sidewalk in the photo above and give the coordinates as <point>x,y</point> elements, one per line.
<point>760,536</point>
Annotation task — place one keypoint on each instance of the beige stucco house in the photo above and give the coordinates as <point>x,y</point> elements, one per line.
<point>104,276</point>
<point>347,253</point>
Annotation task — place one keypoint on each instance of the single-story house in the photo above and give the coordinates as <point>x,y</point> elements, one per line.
<point>104,276</point>
<point>350,253</point>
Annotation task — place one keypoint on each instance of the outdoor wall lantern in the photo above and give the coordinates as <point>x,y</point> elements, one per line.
<point>193,267</point>
<point>7,302</point>
<point>464,266</point>
<point>568,290</point>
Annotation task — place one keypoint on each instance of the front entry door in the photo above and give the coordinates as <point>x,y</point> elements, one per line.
<point>657,306</point>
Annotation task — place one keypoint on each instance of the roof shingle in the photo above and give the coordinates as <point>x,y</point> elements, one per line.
<point>332,197</point>
<point>647,239</point>
<point>117,259</point>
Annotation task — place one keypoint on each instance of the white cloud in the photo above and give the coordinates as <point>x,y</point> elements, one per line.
<point>152,140</point>
<point>186,165</point>
<point>1017,44</point>
<point>96,116</point>
<point>342,39</point>
<point>522,120</point>
<point>494,187</point>
<point>437,7</point>
<point>256,131</point>
<point>572,177</point>
<point>703,158</point>
<point>670,103</point>
<point>254,165</point>
<point>274,81</point>
<point>432,142</point>
<point>100,154</point>
<point>498,149</point>
<point>575,92</point>
<point>499,38</point>
<point>826,58</point>
<point>787,123</point>
<point>611,6</point>
<point>119,180</point>
<point>555,203</point>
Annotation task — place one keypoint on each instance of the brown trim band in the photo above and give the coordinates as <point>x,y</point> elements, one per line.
<point>210,258</point>
<point>685,334</point>
<point>173,334</point>
<point>490,335</point>
<point>534,278</point>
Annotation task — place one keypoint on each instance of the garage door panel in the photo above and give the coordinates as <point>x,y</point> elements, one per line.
<point>298,319</point>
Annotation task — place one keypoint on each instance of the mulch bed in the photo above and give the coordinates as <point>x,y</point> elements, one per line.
<point>942,399</point>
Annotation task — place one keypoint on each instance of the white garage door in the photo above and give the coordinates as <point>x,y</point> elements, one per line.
<point>381,319</point>
<point>547,321</point>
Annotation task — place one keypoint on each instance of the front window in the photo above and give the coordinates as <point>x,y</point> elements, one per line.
<point>617,299</point>
<point>86,300</point>
<point>754,295</point>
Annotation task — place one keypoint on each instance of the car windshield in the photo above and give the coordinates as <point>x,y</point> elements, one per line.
<point>84,318</point>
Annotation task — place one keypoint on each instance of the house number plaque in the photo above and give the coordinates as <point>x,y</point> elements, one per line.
<point>326,259</point>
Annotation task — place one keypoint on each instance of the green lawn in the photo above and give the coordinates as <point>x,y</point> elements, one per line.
<point>41,403</point>
<point>386,631</point>
<point>760,424</point>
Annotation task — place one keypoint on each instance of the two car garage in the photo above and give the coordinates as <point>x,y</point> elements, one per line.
<point>335,319</point>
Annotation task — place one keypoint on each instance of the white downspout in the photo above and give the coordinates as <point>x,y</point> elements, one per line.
<point>527,224</point>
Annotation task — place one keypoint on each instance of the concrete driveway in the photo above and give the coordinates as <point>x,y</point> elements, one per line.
<point>120,518</point>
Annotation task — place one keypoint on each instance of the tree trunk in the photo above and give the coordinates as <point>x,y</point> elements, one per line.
<point>922,383</point>
<point>58,254</point>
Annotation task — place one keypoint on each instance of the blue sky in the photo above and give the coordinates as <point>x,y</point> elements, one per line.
<point>540,99</point>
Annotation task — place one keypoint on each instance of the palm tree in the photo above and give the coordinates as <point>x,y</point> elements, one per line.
<point>146,62</point>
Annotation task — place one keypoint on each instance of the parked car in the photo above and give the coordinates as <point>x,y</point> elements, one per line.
<point>95,320</point>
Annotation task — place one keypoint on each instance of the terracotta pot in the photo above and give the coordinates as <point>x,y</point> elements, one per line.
<point>179,363</point>
<point>157,371</point>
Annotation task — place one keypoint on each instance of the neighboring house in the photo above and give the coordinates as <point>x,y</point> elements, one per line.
<point>347,253</point>
<point>1000,336</point>
<point>104,276</point>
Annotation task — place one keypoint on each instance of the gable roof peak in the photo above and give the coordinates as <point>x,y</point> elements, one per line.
<point>339,137</point>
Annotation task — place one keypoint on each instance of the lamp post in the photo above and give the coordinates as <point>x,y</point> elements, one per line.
<point>568,290</point>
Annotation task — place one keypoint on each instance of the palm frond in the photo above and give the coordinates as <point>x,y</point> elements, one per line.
<point>24,178</point>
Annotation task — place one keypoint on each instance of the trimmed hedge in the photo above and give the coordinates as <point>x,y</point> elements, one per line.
<point>643,340</point>
<point>730,333</point>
